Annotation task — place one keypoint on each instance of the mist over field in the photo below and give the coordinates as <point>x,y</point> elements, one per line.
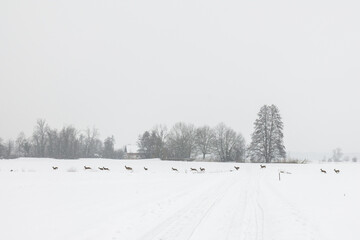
<point>179,120</point>
<point>124,67</point>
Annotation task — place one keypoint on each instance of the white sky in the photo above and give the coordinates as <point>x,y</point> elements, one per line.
<point>124,66</point>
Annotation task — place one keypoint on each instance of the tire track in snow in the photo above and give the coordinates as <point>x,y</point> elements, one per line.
<point>238,215</point>
<point>104,228</point>
<point>224,220</point>
<point>251,219</point>
<point>183,223</point>
<point>259,212</point>
<point>234,231</point>
<point>235,203</point>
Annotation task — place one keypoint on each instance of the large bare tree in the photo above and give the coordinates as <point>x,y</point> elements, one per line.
<point>267,140</point>
<point>69,143</point>
<point>90,141</point>
<point>19,144</point>
<point>204,140</point>
<point>229,145</point>
<point>160,134</point>
<point>181,141</point>
<point>40,137</point>
<point>53,146</point>
<point>9,150</point>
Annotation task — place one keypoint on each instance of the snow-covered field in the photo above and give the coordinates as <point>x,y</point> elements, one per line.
<point>37,202</point>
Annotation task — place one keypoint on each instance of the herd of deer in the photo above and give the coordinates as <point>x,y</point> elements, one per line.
<point>145,168</point>
<point>104,168</point>
<point>335,170</point>
<point>176,170</point>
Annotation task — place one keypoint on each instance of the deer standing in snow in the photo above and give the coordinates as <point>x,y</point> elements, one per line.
<point>145,168</point>
<point>262,166</point>
<point>104,168</point>
<point>336,170</point>
<point>87,167</point>
<point>128,168</point>
<point>322,170</point>
<point>55,168</point>
<point>101,168</point>
<point>174,169</point>
<point>236,167</point>
<point>193,169</point>
<point>202,169</point>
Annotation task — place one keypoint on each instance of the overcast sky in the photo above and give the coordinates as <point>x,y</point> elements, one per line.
<point>124,66</point>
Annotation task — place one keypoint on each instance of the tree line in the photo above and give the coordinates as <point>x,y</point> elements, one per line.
<point>221,143</point>
<point>183,141</point>
<point>66,143</point>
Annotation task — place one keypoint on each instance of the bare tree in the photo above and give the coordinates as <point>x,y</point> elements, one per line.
<point>204,140</point>
<point>27,148</point>
<point>40,137</point>
<point>181,141</point>
<point>160,135</point>
<point>229,145</point>
<point>22,146</point>
<point>91,137</point>
<point>69,144</point>
<point>19,145</point>
<point>54,144</point>
<point>9,149</point>
<point>337,155</point>
<point>109,150</point>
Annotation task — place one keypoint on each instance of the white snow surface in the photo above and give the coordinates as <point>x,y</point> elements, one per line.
<point>37,202</point>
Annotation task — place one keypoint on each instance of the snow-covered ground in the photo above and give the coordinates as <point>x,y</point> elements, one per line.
<point>37,202</point>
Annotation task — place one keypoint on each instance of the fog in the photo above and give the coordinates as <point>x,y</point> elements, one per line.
<point>125,66</point>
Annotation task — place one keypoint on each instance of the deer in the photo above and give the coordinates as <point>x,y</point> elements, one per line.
<point>336,170</point>
<point>128,168</point>
<point>193,169</point>
<point>174,169</point>
<point>101,168</point>
<point>106,169</point>
<point>145,168</point>
<point>202,169</point>
<point>262,166</point>
<point>87,167</point>
<point>236,167</point>
<point>55,168</point>
<point>322,170</point>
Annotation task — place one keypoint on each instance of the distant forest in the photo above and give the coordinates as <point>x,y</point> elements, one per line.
<point>183,141</point>
<point>67,143</point>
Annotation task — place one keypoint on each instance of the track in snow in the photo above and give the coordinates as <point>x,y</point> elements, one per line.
<point>249,204</point>
<point>229,208</point>
<point>226,209</point>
